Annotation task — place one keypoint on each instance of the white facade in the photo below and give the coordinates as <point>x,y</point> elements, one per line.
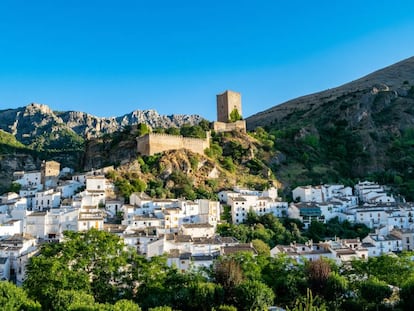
<point>29,194</point>
<point>80,178</point>
<point>323,193</point>
<point>10,228</point>
<point>372,217</point>
<point>68,189</point>
<point>89,218</point>
<point>96,183</point>
<point>371,192</point>
<point>46,199</point>
<point>198,230</point>
<point>36,225</point>
<point>113,206</point>
<point>60,220</point>
<point>383,244</point>
<point>209,212</point>
<point>308,194</point>
<point>19,249</point>
<point>31,180</point>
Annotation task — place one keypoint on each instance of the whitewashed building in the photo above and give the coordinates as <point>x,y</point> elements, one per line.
<point>383,244</point>
<point>31,179</point>
<point>46,199</point>
<point>18,249</point>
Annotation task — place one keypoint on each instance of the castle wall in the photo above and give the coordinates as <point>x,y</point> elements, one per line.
<point>226,102</point>
<point>153,143</point>
<point>228,127</point>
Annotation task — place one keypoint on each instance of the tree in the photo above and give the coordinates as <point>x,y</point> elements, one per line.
<point>225,308</point>
<point>72,300</point>
<point>253,295</point>
<point>308,304</point>
<point>235,115</point>
<point>407,294</point>
<point>142,129</point>
<point>286,278</point>
<point>228,273</point>
<point>228,164</point>
<point>95,262</point>
<point>374,291</point>
<point>261,247</point>
<point>335,290</point>
<point>318,274</point>
<point>15,298</point>
<point>204,296</point>
<point>162,308</point>
<point>125,305</point>
<point>14,187</point>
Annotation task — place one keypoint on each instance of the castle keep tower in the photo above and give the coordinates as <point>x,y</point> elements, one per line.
<point>226,103</point>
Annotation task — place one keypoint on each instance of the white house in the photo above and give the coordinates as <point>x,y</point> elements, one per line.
<point>46,199</point>
<point>80,178</point>
<point>209,212</point>
<point>69,188</point>
<point>323,193</point>
<point>36,224</point>
<point>31,180</point>
<point>308,194</point>
<point>197,230</point>
<point>18,248</point>
<point>90,217</point>
<point>114,206</point>
<point>372,217</point>
<point>306,212</point>
<point>406,236</point>
<point>304,252</point>
<point>60,220</point>
<point>383,243</point>
<point>10,228</point>
<point>371,192</point>
<point>29,194</point>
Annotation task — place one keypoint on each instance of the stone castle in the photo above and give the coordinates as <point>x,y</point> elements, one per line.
<point>226,103</point>
<point>152,143</point>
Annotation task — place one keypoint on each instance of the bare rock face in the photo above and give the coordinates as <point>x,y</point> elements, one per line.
<point>27,123</point>
<point>12,163</point>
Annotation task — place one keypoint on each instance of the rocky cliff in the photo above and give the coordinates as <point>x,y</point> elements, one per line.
<point>34,120</point>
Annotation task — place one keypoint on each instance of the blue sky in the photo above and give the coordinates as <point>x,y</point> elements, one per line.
<point>109,58</point>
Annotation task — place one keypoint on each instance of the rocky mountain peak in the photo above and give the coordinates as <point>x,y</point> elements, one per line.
<point>29,122</point>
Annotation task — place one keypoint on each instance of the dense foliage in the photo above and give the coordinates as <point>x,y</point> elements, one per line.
<point>94,271</point>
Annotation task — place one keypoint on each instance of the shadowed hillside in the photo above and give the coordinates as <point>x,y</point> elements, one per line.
<point>361,128</point>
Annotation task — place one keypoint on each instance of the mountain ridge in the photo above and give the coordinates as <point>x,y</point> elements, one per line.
<point>23,122</point>
<point>360,129</point>
<point>392,76</point>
